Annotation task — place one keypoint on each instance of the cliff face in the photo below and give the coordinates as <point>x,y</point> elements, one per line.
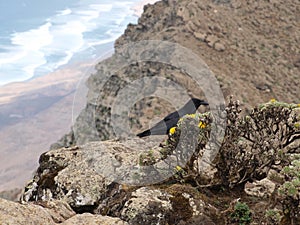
<point>251,47</point>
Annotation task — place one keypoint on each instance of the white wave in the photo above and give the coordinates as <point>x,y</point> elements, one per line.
<point>62,36</point>
<point>25,43</point>
<point>34,39</point>
<point>25,53</point>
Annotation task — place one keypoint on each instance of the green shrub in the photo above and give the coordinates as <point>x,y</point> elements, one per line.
<point>274,216</point>
<point>241,214</point>
<point>289,192</point>
<point>253,143</point>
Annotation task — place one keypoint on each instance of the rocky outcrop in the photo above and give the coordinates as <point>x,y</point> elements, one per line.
<point>81,176</point>
<point>261,188</point>
<point>85,178</point>
<point>148,206</point>
<point>51,212</point>
<point>87,218</point>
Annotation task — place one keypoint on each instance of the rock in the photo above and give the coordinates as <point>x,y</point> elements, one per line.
<point>147,206</point>
<point>275,176</point>
<point>207,174</point>
<point>85,178</point>
<point>59,210</point>
<point>90,219</point>
<point>82,176</point>
<point>262,188</point>
<point>200,36</point>
<point>177,203</point>
<point>16,213</point>
<point>211,40</point>
<point>198,220</point>
<point>188,206</point>
<point>219,47</point>
<point>49,213</point>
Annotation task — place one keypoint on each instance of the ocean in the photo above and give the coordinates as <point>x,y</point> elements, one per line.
<point>37,37</point>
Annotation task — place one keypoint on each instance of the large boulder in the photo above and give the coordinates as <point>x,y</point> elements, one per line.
<point>90,219</point>
<point>51,212</point>
<point>83,176</point>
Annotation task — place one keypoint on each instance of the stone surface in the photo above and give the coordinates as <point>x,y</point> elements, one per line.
<point>262,188</point>
<point>147,206</point>
<point>178,204</point>
<point>16,213</point>
<point>81,176</point>
<point>49,213</point>
<point>211,40</point>
<point>59,210</point>
<point>200,36</point>
<point>219,47</point>
<point>84,177</point>
<point>90,219</point>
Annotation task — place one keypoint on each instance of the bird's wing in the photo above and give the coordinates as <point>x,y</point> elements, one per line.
<point>187,109</point>
<point>159,128</point>
<point>163,126</point>
<point>173,115</point>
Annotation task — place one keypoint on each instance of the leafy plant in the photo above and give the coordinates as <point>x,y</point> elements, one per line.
<point>273,216</point>
<point>253,143</point>
<point>241,214</point>
<point>289,192</point>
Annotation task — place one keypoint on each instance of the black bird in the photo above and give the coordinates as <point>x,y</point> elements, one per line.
<point>163,126</point>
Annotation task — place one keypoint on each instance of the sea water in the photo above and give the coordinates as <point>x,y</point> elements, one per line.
<point>37,36</point>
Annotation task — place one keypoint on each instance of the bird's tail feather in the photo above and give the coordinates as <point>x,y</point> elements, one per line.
<point>144,134</point>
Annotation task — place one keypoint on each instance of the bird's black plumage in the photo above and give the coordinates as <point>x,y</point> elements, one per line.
<point>163,126</point>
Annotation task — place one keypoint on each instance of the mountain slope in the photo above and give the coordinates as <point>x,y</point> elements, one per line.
<point>251,47</point>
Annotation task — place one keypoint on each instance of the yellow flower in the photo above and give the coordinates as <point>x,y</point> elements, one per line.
<point>178,168</point>
<point>273,100</point>
<point>172,130</point>
<point>191,115</point>
<point>298,105</point>
<point>201,125</point>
